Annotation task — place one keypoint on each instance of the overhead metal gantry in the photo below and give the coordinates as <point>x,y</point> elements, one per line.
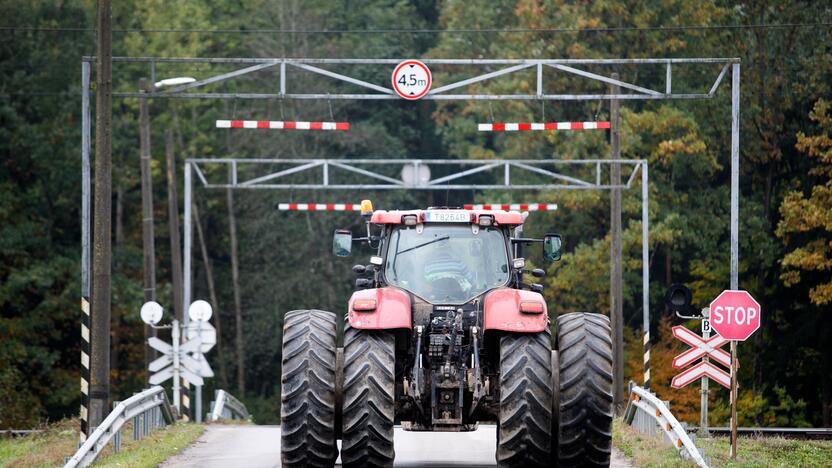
<point>293,84</point>
<point>382,174</point>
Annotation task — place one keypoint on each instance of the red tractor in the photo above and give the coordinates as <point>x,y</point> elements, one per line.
<point>441,334</point>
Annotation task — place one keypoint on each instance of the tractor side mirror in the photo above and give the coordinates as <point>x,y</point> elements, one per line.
<point>552,247</point>
<point>342,243</point>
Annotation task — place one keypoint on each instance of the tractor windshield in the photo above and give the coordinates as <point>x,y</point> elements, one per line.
<point>447,264</point>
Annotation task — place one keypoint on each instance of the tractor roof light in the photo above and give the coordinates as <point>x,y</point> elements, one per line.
<point>519,263</point>
<point>366,208</point>
<point>410,220</point>
<point>485,220</point>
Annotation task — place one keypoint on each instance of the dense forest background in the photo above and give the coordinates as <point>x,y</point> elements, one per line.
<point>284,261</point>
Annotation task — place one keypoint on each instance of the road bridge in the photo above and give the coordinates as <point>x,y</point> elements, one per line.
<point>259,447</point>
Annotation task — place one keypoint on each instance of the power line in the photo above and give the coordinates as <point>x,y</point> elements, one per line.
<point>427,31</point>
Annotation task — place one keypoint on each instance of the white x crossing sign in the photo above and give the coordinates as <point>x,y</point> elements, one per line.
<point>192,369</point>
<point>701,347</point>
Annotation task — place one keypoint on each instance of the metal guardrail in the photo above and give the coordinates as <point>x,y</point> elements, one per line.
<point>649,415</point>
<point>149,410</point>
<point>785,432</point>
<point>225,406</point>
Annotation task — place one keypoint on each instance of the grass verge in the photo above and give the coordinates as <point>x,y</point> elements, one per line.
<point>648,451</point>
<point>59,440</point>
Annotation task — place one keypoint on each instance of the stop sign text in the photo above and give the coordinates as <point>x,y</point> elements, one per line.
<point>735,315</point>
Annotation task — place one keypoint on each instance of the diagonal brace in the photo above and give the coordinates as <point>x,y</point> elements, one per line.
<point>222,77</point>
<point>276,175</point>
<point>341,77</point>
<point>477,79</point>
<point>551,174</point>
<point>604,79</point>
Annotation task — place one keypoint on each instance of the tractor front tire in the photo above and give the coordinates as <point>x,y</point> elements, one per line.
<point>585,406</point>
<point>525,421</point>
<point>307,402</point>
<point>369,386</point>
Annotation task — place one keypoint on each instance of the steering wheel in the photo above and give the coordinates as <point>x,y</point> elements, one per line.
<point>448,285</point>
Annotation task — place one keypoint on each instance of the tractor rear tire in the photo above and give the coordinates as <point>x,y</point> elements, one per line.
<point>525,421</point>
<point>585,406</point>
<point>307,402</point>
<point>369,386</point>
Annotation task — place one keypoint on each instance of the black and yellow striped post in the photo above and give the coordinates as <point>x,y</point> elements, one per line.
<point>85,368</point>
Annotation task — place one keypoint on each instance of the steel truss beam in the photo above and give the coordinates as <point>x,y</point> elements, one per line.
<point>235,173</point>
<point>384,92</point>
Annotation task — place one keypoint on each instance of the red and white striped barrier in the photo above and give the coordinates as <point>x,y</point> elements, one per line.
<point>319,206</point>
<point>514,206</point>
<point>357,206</point>
<point>283,125</point>
<point>514,127</point>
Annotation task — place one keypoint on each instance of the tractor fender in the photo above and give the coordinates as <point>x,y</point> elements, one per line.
<point>502,311</point>
<point>392,309</point>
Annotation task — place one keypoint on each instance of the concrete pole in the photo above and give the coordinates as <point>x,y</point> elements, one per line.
<point>102,222</point>
<point>616,293</point>
<point>148,236</point>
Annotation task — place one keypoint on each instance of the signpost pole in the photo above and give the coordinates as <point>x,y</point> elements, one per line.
<point>733,400</point>
<point>198,388</point>
<point>703,404</point>
<point>177,391</point>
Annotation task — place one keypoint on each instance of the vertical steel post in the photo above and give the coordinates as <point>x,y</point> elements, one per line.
<point>645,271</point>
<point>186,277</point>
<point>616,293</point>
<point>735,233</point>
<point>85,249</point>
<point>735,174</point>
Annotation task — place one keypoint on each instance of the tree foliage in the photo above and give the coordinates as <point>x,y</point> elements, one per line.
<point>785,232</point>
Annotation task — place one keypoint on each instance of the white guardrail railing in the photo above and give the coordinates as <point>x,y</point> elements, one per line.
<point>149,410</point>
<point>225,406</point>
<point>649,415</point>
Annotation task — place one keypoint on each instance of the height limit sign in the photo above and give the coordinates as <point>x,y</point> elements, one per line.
<point>411,79</point>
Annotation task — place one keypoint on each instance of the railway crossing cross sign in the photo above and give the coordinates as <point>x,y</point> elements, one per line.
<point>701,347</point>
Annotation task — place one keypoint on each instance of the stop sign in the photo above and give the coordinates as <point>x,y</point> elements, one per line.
<point>735,315</point>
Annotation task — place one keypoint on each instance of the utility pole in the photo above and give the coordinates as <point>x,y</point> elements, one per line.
<point>173,217</point>
<point>148,242</point>
<point>102,223</point>
<point>616,306</point>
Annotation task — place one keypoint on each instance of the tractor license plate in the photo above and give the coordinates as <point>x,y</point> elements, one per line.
<point>447,217</point>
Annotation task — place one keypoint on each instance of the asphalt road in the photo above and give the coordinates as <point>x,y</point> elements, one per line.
<point>259,447</point>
